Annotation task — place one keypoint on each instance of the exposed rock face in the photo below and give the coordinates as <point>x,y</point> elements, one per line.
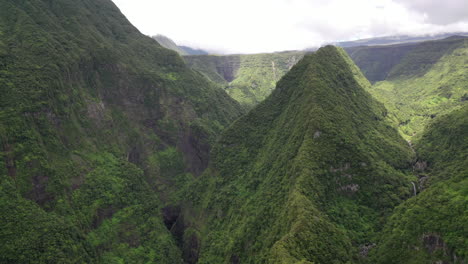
<point>420,166</point>
<point>191,249</point>
<point>39,192</point>
<point>96,111</point>
<point>364,249</point>
<point>433,242</point>
<point>188,242</point>
<point>435,245</point>
<point>350,188</point>
<point>9,160</point>
<point>228,67</point>
<point>196,151</point>
<point>170,215</point>
<point>317,134</point>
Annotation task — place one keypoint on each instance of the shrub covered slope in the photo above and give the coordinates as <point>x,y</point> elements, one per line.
<point>98,123</point>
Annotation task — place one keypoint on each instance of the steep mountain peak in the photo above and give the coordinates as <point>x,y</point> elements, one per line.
<point>296,172</point>
<point>326,65</point>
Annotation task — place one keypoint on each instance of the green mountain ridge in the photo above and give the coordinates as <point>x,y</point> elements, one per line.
<point>379,63</point>
<point>417,82</point>
<point>306,176</point>
<point>99,126</point>
<point>248,79</point>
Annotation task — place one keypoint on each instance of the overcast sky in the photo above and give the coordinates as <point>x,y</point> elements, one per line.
<point>252,26</point>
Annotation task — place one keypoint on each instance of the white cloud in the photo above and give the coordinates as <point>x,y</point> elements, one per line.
<point>440,12</point>
<point>250,26</point>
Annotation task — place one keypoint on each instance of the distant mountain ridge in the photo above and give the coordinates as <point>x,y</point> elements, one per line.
<point>247,78</point>
<point>383,61</point>
<point>182,50</point>
<point>389,40</point>
<point>416,81</point>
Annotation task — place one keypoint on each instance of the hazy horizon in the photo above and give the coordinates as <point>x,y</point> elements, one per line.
<point>275,25</point>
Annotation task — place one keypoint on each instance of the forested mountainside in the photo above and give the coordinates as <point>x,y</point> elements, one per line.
<point>182,50</point>
<point>115,150</point>
<point>249,79</point>
<point>417,82</point>
<point>99,126</point>
<point>307,176</point>
<point>431,227</point>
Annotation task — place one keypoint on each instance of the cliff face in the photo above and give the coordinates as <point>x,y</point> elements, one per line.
<point>99,126</point>
<point>376,62</point>
<point>249,79</point>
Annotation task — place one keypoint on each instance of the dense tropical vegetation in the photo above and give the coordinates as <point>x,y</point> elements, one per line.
<point>118,150</point>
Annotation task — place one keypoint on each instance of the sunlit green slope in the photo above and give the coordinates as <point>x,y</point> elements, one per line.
<point>417,82</point>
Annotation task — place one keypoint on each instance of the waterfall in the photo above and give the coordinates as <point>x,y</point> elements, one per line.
<point>414,188</point>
